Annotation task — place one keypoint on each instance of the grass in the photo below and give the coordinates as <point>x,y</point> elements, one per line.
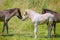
<point>23,30</point>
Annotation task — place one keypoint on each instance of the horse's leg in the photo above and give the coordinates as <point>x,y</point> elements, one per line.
<point>50,23</point>
<point>54,29</point>
<point>3,27</point>
<point>49,31</point>
<point>7,18</point>
<point>35,30</point>
<point>51,26</point>
<point>6,24</point>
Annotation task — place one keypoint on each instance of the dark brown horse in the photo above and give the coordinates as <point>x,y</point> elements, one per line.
<point>57,18</point>
<point>6,15</point>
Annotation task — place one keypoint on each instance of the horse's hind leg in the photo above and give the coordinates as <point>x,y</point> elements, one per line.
<point>49,31</point>
<point>51,26</point>
<point>50,22</point>
<point>54,29</point>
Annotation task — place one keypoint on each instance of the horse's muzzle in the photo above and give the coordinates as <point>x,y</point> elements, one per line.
<point>20,17</point>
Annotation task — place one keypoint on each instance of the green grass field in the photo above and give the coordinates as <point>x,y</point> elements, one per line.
<point>23,30</point>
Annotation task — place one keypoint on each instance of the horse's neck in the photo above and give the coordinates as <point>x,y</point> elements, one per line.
<point>33,15</point>
<point>13,13</point>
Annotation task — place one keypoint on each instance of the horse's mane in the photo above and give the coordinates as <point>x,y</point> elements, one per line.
<point>33,11</point>
<point>12,10</point>
<point>49,10</point>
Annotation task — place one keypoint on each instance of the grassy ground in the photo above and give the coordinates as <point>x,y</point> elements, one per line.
<point>23,30</point>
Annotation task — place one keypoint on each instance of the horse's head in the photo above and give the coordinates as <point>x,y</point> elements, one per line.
<point>18,14</point>
<point>25,16</point>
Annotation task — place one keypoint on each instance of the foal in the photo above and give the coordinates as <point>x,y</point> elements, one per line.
<point>6,15</point>
<point>39,19</point>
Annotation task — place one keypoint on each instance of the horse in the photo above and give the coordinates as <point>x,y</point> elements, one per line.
<point>37,18</point>
<point>57,18</point>
<point>6,15</point>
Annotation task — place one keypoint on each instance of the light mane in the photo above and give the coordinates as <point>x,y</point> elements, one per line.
<point>32,12</point>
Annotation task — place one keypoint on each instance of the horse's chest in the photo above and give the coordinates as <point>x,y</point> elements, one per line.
<point>1,17</point>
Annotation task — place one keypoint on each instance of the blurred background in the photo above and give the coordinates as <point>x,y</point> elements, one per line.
<point>30,4</point>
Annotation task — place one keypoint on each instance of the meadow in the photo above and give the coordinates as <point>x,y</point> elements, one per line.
<point>23,30</point>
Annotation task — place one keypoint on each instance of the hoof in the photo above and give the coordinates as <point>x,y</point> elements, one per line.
<point>35,37</point>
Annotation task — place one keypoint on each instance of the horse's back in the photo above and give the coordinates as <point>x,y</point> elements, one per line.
<point>46,17</point>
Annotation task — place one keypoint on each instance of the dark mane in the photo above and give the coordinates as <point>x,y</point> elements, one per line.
<point>12,10</point>
<point>45,10</point>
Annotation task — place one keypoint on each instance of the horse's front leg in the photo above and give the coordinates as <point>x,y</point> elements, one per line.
<point>35,30</point>
<point>3,27</point>
<point>7,27</point>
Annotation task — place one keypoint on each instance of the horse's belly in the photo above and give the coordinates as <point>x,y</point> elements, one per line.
<point>43,21</point>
